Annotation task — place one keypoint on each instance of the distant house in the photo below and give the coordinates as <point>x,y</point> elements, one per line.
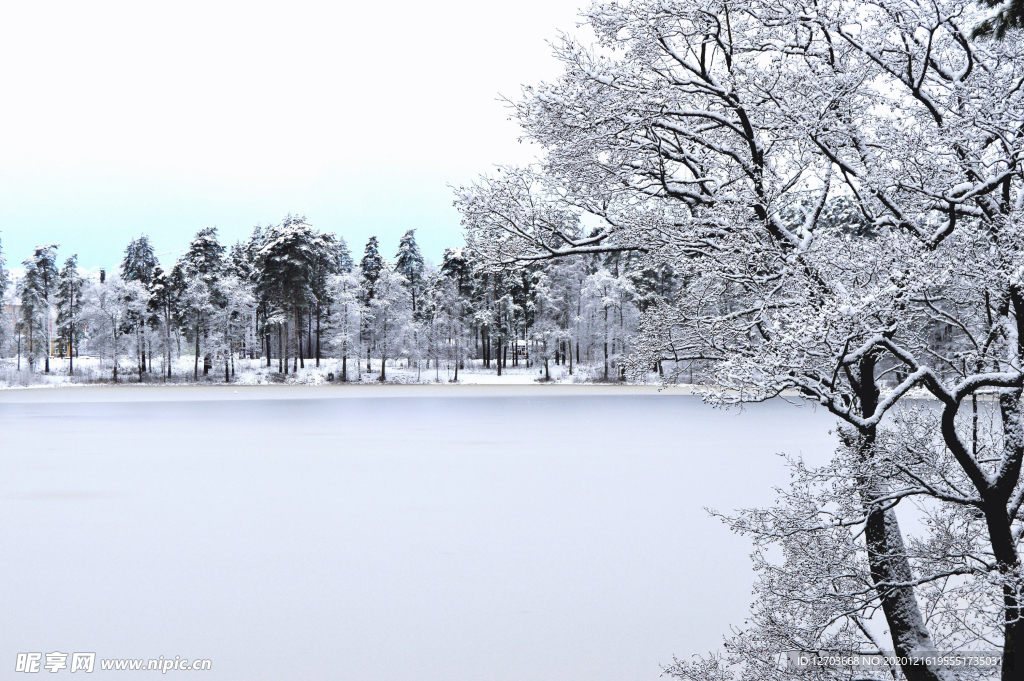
<point>13,312</point>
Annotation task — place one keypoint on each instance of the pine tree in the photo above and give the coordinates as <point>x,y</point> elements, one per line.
<point>164,306</point>
<point>30,313</point>
<point>343,255</point>
<point>409,263</point>
<point>37,288</point>
<point>69,309</point>
<point>286,262</point>
<point>138,265</point>
<point>200,268</point>
<point>205,256</point>
<point>370,268</point>
<point>139,261</point>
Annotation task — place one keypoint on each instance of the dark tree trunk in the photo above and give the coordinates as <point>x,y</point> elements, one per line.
<point>71,339</point>
<point>318,334</point>
<point>606,360</point>
<point>195,368</point>
<point>298,341</point>
<point>887,556</point>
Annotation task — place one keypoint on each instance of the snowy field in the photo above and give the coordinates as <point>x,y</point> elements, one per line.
<point>382,533</point>
<point>93,370</point>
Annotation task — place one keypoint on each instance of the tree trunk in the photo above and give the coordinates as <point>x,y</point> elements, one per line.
<point>195,368</point>
<point>318,334</point>
<point>457,354</point>
<point>1000,532</point>
<point>298,341</point>
<point>887,556</point>
<point>71,338</point>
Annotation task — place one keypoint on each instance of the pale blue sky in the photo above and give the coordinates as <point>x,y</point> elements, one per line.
<point>128,118</point>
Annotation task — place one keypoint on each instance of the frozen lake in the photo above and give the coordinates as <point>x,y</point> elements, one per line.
<point>370,534</point>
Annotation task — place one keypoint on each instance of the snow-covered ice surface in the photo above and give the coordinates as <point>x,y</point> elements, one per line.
<point>382,533</point>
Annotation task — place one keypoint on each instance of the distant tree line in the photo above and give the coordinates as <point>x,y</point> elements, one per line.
<point>291,294</point>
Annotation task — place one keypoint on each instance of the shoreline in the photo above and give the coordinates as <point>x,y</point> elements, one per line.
<point>195,393</point>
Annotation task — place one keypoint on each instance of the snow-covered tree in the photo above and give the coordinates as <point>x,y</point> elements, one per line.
<point>165,312</point>
<point>607,297</point>
<point>36,290</point>
<point>139,261</point>
<point>715,138</point>
<point>5,321</point>
<point>295,263</point>
<point>345,316</point>
<point>139,264</point>
<point>409,263</point>
<point>231,318</point>
<point>197,273</point>
<point>109,307</point>
<point>69,309</point>
<point>389,316</point>
<point>370,268</point>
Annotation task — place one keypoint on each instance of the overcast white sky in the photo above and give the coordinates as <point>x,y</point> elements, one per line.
<point>162,118</point>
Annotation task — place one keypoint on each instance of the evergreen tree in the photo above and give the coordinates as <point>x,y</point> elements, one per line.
<point>138,265</point>
<point>163,306</point>
<point>287,260</point>
<point>199,268</point>
<point>330,256</point>
<point>205,256</point>
<point>454,264</point>
<point>345,263</point>
<point>370,268</point>
<point>30,320</point>
<point>38,287</point>
<point>69,309</point>
<point>409,263</point>
<point>139,261</point>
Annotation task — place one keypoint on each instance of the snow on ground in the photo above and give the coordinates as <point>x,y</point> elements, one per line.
<point>90,370</point>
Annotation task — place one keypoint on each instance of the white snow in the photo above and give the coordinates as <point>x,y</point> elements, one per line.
<point>447,533</point>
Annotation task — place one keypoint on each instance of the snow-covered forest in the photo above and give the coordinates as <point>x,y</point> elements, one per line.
<point>292,303</point>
